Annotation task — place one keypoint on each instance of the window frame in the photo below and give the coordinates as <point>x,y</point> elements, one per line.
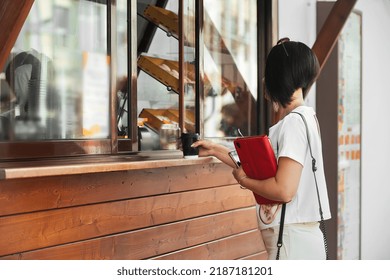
<point>74,147</point>
<point>113,145</point>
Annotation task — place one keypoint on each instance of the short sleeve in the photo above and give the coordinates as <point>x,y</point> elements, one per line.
<point>292,141</point>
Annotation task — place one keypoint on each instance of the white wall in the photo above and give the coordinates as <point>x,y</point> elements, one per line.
<point>376,129</point>
<point>297,20</point>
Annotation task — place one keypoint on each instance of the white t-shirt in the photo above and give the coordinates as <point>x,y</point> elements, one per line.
<point>289,139</point>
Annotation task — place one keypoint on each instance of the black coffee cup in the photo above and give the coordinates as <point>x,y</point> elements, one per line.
<point>187,139</point>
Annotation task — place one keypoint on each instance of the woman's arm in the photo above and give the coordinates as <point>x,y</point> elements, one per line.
<point>208,148</point>
<point>282,187</point>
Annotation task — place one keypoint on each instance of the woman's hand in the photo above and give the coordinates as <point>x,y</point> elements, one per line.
<point>206,148</point>
<point>239,174</point>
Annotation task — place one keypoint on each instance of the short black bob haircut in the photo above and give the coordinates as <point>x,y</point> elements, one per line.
<point>289,66</point>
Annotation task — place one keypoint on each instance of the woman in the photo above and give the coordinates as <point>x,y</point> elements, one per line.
<point>291,69</point>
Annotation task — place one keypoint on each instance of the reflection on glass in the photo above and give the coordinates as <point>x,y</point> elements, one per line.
<point>230,62</point>
<point>189,65</point>
<point>56,80</point>
<point>158,77</point>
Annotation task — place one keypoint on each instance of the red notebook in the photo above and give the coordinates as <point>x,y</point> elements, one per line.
<point>258,160</point>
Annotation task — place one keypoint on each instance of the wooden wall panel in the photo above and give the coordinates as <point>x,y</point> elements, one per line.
<point>179,212</point>
<point>148,242</point>
<point>27,195</point>
<point>47,228</point>
<point>229,248</point>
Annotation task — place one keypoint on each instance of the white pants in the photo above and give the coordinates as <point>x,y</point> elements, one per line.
<point>300,242</point>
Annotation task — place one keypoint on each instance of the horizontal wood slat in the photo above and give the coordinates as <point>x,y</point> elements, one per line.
<point>146,243</point>
<point>30,231</point>
<point>229,248</point>
<point>28,195</point>
<point>84,165</point>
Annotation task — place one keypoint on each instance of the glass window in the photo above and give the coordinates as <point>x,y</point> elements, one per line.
<point>56,79</point>
<point>56,84</point>
<point>158,77</point>
<point>230,66</point>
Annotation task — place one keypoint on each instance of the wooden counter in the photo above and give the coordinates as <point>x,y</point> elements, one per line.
<point>126,207</point>
<point>96,164</point>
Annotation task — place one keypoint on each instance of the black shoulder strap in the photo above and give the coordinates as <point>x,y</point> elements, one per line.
<point>281,227</point>
<point>322,223</point>
<point>314,169</point>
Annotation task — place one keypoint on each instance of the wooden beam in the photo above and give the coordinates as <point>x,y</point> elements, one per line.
<point>329,33</point>
<point>12,17</point>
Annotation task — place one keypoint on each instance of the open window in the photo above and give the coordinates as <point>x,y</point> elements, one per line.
<point>102,77</point>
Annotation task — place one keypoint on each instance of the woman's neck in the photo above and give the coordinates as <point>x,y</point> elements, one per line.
<point>296,101</point>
